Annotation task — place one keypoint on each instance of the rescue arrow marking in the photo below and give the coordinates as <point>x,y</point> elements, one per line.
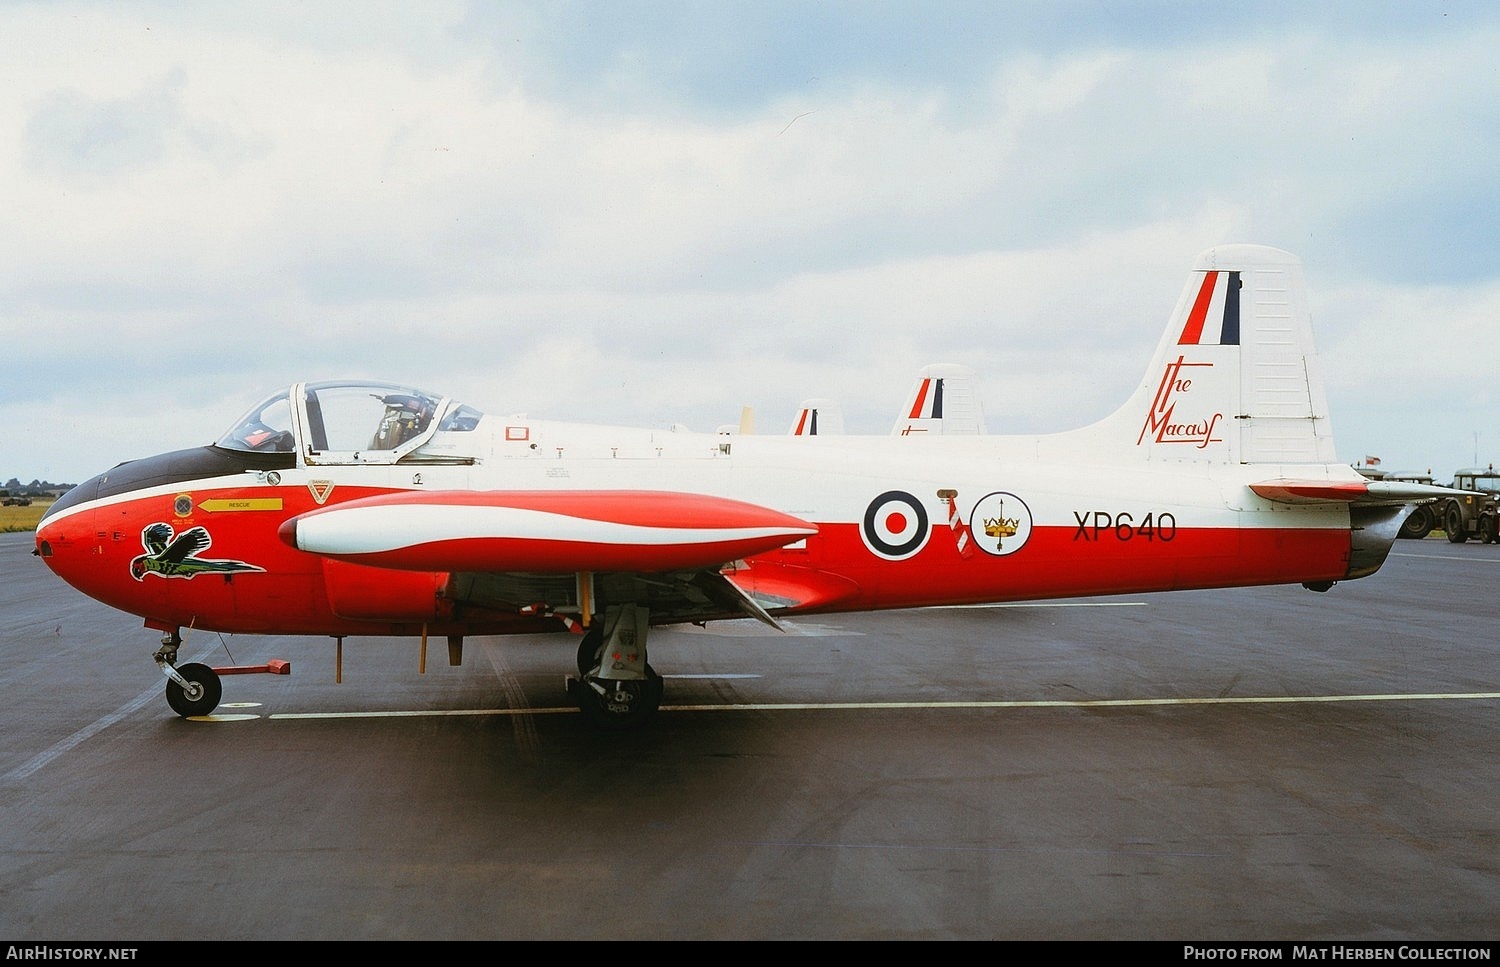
<point>219,504</point>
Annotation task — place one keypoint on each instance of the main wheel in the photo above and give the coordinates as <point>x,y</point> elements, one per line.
<point>588,649</point>
<point>1418,524</point>
<point>622,704</point>
<point>1453,523</point>
<point>202,694</point>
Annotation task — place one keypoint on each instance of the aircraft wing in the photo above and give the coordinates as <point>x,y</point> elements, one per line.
<point>1287,490</point>
<point>542,531</point>
<point>510,549</point>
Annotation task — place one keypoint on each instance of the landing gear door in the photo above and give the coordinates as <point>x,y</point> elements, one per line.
<point>347,423</point>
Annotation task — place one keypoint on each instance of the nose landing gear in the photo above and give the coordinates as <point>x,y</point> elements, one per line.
<point>195,689</point>
<point>192,689</point>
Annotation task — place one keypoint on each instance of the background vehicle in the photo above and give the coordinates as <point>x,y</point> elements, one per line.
<point>1474,515</point>
<point>1427,517</point>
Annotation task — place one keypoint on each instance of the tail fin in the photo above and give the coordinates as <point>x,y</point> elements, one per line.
<point>1235,378</point>
<point>816,418</point>
<point>941,402</point>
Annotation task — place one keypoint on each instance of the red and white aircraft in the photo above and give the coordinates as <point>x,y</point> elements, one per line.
<point>352,508</point>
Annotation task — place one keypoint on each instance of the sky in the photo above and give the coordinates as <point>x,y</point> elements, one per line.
<point>662,213</point>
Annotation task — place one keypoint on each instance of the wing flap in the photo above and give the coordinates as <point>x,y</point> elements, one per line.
<point>786,587</point>
<point>724,592</point>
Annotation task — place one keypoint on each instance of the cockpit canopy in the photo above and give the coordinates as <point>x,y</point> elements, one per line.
<point>345,421</point>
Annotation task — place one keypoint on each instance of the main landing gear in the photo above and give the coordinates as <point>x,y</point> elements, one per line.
<point>616,687</point>
<point>192,689</point>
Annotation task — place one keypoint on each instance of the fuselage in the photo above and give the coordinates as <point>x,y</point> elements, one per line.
<point>897,522</point>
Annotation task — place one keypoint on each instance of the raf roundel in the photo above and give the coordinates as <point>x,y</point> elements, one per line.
<point>895,525</point>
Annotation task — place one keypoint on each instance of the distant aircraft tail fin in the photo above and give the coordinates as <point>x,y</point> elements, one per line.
<point>817,418</point>
<point>942,401</point>
<point>1235,378</point>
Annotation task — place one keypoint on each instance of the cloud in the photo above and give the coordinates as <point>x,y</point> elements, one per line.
<point>659,213</point>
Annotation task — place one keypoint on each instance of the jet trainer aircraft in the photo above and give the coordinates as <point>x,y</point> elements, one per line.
<point>348,508</point>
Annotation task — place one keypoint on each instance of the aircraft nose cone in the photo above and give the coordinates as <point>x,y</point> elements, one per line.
<point>43,547</point>
<point>66,543</point>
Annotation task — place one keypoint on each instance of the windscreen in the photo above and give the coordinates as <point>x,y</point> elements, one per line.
<point>265,428</point>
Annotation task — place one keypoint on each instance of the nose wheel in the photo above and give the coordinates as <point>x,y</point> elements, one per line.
<point>198,693</point>
<point>192,689</point>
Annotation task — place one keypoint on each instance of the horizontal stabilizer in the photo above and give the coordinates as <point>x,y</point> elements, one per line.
<point>1291,491</point>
